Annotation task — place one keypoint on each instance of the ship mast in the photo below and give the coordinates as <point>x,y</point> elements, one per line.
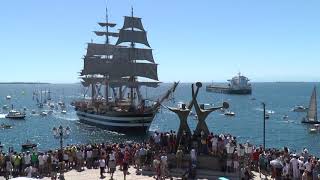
<point>107,42</point>
<point>132,45</point>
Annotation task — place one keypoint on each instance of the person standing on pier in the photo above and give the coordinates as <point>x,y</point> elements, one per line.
<point>102,164</point>
<point>125,167</point>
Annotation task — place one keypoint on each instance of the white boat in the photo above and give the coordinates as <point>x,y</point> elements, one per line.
<point>313,130</point>
<point>300,108</point>
<point>13,114</point>
<point>43,113</point>
<point>63,112</point>
<point>312,114</point>
<point>8,97</point>
<point>229,113</point>
<point>5,107</point>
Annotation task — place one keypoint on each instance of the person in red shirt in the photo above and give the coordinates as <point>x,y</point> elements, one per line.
<point>255,158</point>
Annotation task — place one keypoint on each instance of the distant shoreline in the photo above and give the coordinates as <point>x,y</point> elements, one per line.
<point>24,83</point>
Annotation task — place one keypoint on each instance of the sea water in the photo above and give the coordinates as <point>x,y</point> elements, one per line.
<point>246,125</point>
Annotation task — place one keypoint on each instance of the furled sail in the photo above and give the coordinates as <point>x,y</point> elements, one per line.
<point>102,33</point>
<point>104,24</point>
<point>312,112</point>
<point>132,22</point>
<point>132,36</point>
<point>118,70</point>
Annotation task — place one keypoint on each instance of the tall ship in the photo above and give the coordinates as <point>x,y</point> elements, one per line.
<point>115,71</point>
<point>237,85</point>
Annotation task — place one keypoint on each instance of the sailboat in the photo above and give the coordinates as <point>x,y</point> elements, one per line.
<point>117,68</point>
<point>312,115</point>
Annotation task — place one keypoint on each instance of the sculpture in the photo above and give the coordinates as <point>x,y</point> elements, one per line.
<point>202,113</point>
<point>183,114</point>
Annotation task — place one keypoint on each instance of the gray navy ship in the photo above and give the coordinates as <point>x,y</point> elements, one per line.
<point>237,85</point>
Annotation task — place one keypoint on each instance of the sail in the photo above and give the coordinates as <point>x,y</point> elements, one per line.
<point>104,24</point>
<point>134,53</point>
<point>100,49</point>
<point>132,22</point>
<point>132,36</point>
<point>312,112</point>
<point>102,33</point>
<point>118,70</point>
<point>87,81</point>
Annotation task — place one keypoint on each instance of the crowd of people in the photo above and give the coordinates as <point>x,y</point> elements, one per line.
<point>153,154</point>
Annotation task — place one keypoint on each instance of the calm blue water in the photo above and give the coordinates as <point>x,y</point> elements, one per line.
<point>246,125</point>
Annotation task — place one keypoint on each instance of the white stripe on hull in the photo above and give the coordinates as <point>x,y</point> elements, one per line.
<point>112,117</point>
<point>116,124</point>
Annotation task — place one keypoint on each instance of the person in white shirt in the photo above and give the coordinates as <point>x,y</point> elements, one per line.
<point>308,167</point>
<point>41,164</point>
<point>214,142</point>
<point>294,164</point>
<point>193,155</point>
<point>29,171</point>
<point>89,158</point>
<point>285,170</point>
<point>27,159</point>
<point>102,164</point>
<point>301,165</point>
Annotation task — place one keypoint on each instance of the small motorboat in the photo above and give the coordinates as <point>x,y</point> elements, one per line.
<point>13,114</point>
<point>285,117</point>
<point>50,111</point>
<point>43,113</point>
<point>5,107</point>
<point>64,112</point>
<point>5,126</point>
<point>267,115</point>
<point>28,145</point>
<point>33,111</point>
<point>313,130</point>
<point>229,113</point>
<point>300,108</point>
<point>8,97</point>
<point>51,106</point>
<point>40,105</point>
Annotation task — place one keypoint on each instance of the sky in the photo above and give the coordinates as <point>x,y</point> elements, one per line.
<point>204,40</point>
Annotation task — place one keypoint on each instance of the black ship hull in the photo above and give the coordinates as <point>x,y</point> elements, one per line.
<point>226,90</point>
<point>310,122</point>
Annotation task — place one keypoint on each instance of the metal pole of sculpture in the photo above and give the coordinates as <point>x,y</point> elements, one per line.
<point>202,113</point>
<point>183,114</point>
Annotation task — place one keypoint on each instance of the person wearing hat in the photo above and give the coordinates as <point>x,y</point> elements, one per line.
<point>294,165</point>
<point>301,167</point>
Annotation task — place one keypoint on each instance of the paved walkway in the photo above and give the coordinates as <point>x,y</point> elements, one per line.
<point>94,174</point>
